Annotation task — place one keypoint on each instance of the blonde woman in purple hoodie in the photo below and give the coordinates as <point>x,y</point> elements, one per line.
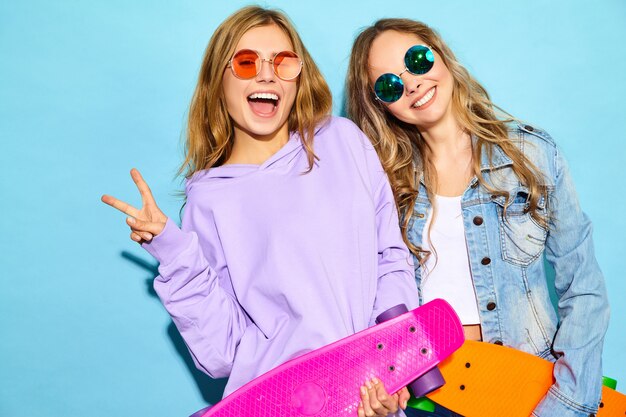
<point>289,238</point>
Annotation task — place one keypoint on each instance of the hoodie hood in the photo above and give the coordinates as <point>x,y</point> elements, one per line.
<point>284,157</point>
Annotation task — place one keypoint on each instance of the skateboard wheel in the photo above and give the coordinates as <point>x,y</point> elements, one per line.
<point>200,413</point>
<point>426,383</point>
<point>391,313</point>
<point>609,382</point>
<point>422,403</point>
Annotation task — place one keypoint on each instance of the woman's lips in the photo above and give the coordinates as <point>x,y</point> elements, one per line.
<point>426,100</point>
<point>263,104</point>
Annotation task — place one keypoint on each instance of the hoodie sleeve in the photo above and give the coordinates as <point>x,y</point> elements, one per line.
<point>198,298</point>
<point>396,280</point>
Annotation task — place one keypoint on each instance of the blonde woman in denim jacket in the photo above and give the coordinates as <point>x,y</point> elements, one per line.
<point>483,200</point>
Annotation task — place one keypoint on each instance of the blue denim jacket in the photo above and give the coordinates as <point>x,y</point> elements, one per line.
<point>507,264</point>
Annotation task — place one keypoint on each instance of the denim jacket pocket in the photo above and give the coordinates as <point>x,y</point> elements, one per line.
<point>522,239</point>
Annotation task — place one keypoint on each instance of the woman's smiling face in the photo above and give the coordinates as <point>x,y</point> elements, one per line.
<point>427,98</point>
<point>260,106</point>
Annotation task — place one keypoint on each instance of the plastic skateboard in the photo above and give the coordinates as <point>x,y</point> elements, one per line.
<point>326,381</point>
<point>487,380</point>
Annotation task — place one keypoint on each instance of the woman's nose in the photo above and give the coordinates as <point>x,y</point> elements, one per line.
<point>267,71</point>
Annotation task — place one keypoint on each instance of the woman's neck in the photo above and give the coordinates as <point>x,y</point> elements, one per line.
<point>446,139</point>
<point>449,150</point>
<point>252,149</point>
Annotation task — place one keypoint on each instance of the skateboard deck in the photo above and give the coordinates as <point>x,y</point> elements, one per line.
<point>486,380</point>
<point>326,381</point>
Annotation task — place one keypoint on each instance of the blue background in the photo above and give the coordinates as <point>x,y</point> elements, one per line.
<point>90,89</point>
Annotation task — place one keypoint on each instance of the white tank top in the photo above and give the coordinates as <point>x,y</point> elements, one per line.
<point>450,278</point>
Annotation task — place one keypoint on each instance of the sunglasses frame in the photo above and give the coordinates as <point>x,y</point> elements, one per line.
<point>406,69</point>
<point>262,60</point>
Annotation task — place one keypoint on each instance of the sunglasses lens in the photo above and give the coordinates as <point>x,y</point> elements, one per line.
<point>388,88</point>
<point>419,59</point>
<point>287,65</point>
<point>245,64</point>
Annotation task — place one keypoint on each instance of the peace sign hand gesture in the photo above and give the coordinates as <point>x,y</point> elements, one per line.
<point>145,223</point>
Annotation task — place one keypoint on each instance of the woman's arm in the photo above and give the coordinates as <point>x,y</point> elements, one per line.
<point>205,312</point>
<point>582,307</point>
<point>396,274</point>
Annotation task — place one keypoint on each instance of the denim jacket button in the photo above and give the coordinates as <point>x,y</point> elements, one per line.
<point>485,261</point>
<point>491,306</point>
<point>498,342</point>
<point>478,220</point>
<point>529,128</point>
<point>474,185</point>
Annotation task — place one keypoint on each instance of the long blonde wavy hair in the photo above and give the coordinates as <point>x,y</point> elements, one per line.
<point>210,128</point>
<point>401,148</point>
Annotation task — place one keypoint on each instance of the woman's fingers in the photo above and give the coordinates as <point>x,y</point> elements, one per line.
<point>371,405</point>
<point>145,223</point>
<point>120,205</point>
<point>403,397</point>
<point>376,401</point>
<point>153,228</point>
<point>359,411</point>
<point>149,204</point>
<point>140,237</point>
<point>142,186</point>
<point>145,236</point>
<point>135,236</point>
<point>365,408</point>
<point>385,403</point>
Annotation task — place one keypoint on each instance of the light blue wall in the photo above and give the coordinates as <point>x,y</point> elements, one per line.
<point>90,89</point>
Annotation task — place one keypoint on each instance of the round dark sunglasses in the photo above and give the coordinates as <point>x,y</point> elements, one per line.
<point>418,60</point>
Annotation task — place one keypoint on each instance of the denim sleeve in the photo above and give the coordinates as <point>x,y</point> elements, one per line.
<point>582,305</point>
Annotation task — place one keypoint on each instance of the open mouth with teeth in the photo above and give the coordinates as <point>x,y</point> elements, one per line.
<point>426,99</point>
<point>263,104</point>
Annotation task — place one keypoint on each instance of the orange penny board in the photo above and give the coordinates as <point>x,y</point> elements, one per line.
<point>487,380</point>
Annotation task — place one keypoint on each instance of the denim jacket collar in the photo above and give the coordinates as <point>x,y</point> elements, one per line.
<point>499,159</point>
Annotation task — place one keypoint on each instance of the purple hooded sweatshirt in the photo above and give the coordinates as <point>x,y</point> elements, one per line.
<point>272,262</point>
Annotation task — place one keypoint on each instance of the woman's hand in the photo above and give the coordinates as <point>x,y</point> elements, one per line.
<point>145,223</point>
<point>376,402</point>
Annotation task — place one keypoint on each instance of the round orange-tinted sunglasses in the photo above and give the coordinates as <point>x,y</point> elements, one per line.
<point>246,64</point>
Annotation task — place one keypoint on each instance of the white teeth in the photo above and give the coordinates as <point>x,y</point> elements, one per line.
<point>426,98</point>
<point>267,96</point>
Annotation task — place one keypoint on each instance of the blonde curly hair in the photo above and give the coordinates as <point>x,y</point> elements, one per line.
<point>210,129</point>
<point>400,146</point>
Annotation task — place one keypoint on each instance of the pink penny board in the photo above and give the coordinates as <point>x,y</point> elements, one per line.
<point>326,381</point>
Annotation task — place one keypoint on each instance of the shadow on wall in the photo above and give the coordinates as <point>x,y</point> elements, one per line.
<point>210,389</point>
